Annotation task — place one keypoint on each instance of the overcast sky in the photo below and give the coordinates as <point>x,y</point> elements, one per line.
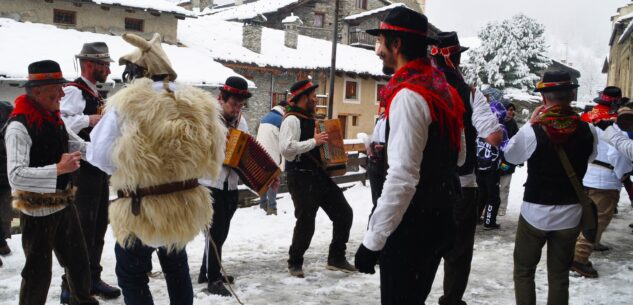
<point>576,22</point>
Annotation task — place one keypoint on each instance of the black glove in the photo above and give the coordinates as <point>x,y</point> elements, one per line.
<point>604,124</point>
<point>365,260</point>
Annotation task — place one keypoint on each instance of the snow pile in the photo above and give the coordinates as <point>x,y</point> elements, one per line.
<point>223,39</point>
<point>32,42</point>
<point>520,95</point>
<point>292,19</point>
<point>249,10</point>
<point>257,249</point>
<point>159,5</point>
<point>374,11</point>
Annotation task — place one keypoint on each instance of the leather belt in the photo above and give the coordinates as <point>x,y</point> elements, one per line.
<point>603,164</point>
<point>161,189</point>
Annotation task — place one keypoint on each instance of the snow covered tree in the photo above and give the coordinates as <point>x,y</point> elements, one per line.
<point>512,54</point>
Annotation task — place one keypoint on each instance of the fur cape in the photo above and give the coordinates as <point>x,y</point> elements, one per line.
<point>164,138</point>
<point>31,202</point>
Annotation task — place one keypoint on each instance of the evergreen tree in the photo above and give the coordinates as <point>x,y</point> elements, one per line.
<point>512,54</point>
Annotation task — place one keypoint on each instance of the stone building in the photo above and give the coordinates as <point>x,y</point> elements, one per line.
<point>103,16</point>
<point>619,65</point>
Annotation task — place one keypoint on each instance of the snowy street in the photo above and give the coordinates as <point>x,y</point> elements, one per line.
<point>256,252</point>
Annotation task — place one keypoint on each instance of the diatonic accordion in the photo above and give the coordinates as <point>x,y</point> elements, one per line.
<point>252,163</point>
<point>333,155</point>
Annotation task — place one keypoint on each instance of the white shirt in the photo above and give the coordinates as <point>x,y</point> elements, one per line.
<point>543,217</point>
<point>600,177</point>
<point>409,123</point>
<point>289,135</point>
<point>616,137</point>
<point>379,131</point>
<point>226,173</point>
<point>73,105</point>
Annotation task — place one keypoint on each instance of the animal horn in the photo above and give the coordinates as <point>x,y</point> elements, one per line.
<point>137,41</point>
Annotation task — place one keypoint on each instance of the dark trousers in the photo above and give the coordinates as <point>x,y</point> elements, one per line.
<point>457,260</point>
<point>527,253</point>
<point>59,232</point>
<point>376,173</point>
<point>410,258</point>
<point>309,191</point>
<point>91,201</point>
<point>224,207</point>
<point>489,198</point>
<point>135,262</point>
<point>6,212</point>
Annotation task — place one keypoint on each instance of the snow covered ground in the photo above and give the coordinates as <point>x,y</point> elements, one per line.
<point>257,246</point>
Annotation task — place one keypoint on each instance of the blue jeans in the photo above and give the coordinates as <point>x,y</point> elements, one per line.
<point>269,200</point>
<point>134,263</point>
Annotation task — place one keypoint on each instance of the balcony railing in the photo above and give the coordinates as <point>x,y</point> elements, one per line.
<point>361,39</point>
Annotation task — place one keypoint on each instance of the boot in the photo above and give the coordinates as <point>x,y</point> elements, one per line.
<point>202,278</point>
<point>0,262</point>
<point>218,288</point>
<point>600,247</point>
<point>4,247</point>
<point>340,265</point>
<point>104,290</point>
<point>228,279</point>
<point>271,211</point>
<point>586,270</point>
<point>296,271</point>
<point>64,296</point>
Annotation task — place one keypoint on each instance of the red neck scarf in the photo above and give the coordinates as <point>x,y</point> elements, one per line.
<point>598,113</point>
<point>35,115</point>
<point>444,102</point>
<point>560,122</point>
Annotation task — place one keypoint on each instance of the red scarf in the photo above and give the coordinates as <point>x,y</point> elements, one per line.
<point>34,113</point>
<point>444,102</point>
<point>560,122</point>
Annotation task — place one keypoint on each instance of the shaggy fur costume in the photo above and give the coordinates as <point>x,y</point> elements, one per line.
<point>164,140</point>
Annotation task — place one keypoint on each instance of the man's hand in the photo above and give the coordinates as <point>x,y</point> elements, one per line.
<point>365,260</point>
<point>495,138</point>
<point>69,163</point>
<point>94,119</point>
<point>536,115</point>
<point>320,138</point>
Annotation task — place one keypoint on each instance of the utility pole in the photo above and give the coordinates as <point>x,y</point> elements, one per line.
<point>330,103</point>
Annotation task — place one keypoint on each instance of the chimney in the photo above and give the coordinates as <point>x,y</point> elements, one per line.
<point>205,3</point>
<point>291,28</point>
<point>252,36</point>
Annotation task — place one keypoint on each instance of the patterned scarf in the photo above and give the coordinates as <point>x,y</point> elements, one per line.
<point>34,113</point>
<point>298,111</point>
<point>444,102</point>
<point>560,122</point>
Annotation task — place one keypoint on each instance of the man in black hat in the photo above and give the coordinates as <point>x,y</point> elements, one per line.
<point>309,185</point>
<point>478,121</point>
<point>412,225</point>
<point>81,110</point>
<point>551,212</point>
<point>40,160</point>
<point>233,97</point>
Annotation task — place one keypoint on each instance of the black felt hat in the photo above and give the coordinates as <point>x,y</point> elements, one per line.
<point>609,95</point>
<point>555,80</point>
<point>95,51</point>
<point>448,43</point>
<point>236,85</point>
<point>405,20</point>
<point>299,88</point>
<point>45,72</point>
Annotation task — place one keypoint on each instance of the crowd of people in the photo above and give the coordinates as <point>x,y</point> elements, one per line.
<point>440,161</point>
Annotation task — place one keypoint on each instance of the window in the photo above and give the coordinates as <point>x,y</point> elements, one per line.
<point>64,17</point>
<point>133,24</point>
<point>361,4</point>
<point>278,97</point>
<point>355,120</point>
<point>319,20</point>
<point>379,87</point>
<point>352,91</point>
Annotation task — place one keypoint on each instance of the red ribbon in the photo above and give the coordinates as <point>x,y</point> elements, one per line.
<point>300,90</point>
<point>387,26</point>
<point>45,76</point>
<point>235,90</point>
<point>541,85</point>
<point>446,52</point>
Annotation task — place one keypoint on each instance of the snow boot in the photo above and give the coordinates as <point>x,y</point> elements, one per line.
<point>585,270</point>
<point>296,271</point>
<point>340,265</point>
<point>217,288</point>
<point>104,290</point>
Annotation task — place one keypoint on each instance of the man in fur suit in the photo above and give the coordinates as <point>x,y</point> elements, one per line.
<point>233,96</point>
<point>81,110</point>
<point>412,226</point>
<point>40,159</point>
<point>309,184</point>
<point>156,139</point>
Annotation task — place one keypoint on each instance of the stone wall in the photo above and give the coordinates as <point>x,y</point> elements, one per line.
<point>91,17</point>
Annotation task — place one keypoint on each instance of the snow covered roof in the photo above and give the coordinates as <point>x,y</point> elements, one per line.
<point>158,5</point>
<point>373,12</point>
<point>292,19</point>
<point>626,33</point>
<point>250,10</point>
<point>223,39</point>
<point>30,42</point>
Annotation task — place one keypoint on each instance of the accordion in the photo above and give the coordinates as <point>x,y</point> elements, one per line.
<point>253,164</point>
<point>333,155</point>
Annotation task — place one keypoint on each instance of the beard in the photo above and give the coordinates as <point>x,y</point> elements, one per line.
<point>99,76</point>
<point>387,70</point>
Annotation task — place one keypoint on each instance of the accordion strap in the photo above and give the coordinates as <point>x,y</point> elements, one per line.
<point>161,189</point>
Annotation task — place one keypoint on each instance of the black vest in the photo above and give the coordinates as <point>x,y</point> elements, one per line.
<point>547,182</point>
<point>469,130</point>
<point>92,105</point>
<point>303,161</point>
<point>437,187</point>
<point>49,142</point>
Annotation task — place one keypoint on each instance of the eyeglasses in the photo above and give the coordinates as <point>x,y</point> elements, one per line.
<point>101,63</point>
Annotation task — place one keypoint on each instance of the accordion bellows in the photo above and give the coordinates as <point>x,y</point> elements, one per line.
<point>251,161</point>
<point>333,155</point>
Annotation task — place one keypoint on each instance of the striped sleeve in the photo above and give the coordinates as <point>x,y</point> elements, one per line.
<point>21,176</point>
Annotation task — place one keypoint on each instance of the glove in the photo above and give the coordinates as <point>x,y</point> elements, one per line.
<point>504,167</point>
<point>365,260</point>
<point>604,124</point>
